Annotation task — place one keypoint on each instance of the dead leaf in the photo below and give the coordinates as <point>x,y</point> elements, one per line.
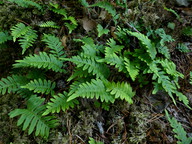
<point>64,41</point>
<point>88,24</point>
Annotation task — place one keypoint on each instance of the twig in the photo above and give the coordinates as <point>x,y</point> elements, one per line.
<point>132,27</point>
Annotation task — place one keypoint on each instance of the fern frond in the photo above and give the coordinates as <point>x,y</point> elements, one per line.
<point>19,30</point>
<point>28,39</point>
<point>43,60</point>
<point>121,90</point>
<point>12,83</point>
<point>100,70</point>
<point>59,102</point>
<point>84,3</point>
<point>190,78</point>
<point>32,118</point>
<point>182,47</point>
<point>101,30</point>
<point>131,68</point>
<point>4,36</point>
<point>54,44</point>
<point>107,6</point>
<point>57,10</point>
<point>179,131</point>
<point>113,47</point>
<point>49,24</point>
<point>94,89</point>
<point>78,73</point>
<point>26,3</point>
<point>71,27</point>
<point>92,141</point>
<point>40,86</point>
<point>146,42</point>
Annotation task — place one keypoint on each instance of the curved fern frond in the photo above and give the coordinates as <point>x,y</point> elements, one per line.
<point>100,70</point>
<point>131,68</point>
<point>49,24</point>
<point>94,89</point>
<point>19,30</point>
<point>43,60</point>
<point>32,118</point>
<point>121,90</point>
<point>4,36</point>
<point>59,102</point>
<point>26,3</point>
<point>54,44</point>
<point>28,39</point>
<point>180,133</point>
<point>40,86</point>
<point>146,42</point>
<point>12,83</point>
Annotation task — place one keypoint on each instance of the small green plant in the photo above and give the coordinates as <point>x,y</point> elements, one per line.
<point>180,133</point>
<point>182,48</point>
<point>190,79</point>
<point>92,141</point>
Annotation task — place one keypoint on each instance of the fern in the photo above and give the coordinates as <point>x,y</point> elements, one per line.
<point>182,48</point>
<point>43,60</point>
<point>121,90</point>
<point>59,102</point>
<point>40,86</point>
<point>92,141</point>
<point>190,78</point>
<point>94,89</point>
<point>54,44</point>
<point>131,68</point>
<point>180,133</point>
<point>32,118</point>
<point>55,9</point>
<point>11,83</point>
<point>49,24</point>
<point>4,37</point>
<point>26,3</point>
<point>90,64</point>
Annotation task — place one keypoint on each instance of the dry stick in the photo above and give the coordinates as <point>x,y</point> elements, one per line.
<point>132,27</point>
<point>22,21</point>
<point>80,138</point>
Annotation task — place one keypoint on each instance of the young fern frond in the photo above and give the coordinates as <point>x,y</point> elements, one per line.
<point>12,83</point>
<point>121,90</point>
<point>179,131</point>
<point>43,61</point>
<point>41,86</point>
<point>32,118</point>
<point>94,89</point>
<point>150,48</point>
<point>19,30</point>
<point>54,44</point>
<point>90,64</point>
<point>26,3</point>
<point>4,37</point>
<point>49,24</point>
<point>58,103</point>
<point>28,39</point>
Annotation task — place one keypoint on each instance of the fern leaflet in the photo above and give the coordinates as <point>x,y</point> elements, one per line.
<point>121,90</point>
<point>43,60</point>
<point>54,44</point>
<point>92,141</point>
<point>49,24</point>
<point>101,30</point>
<point>32,118</point>
<point>59,102</point>
<point>4,36</point>
<point>11,83</point>
<point>94,89</point>
<point>40,86</point>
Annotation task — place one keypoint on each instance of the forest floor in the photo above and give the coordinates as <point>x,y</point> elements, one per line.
<point>141,122</point>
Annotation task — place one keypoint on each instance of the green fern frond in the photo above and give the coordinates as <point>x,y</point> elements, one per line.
<point>71,19</point>
<point>57,10</point>
<point>90,64</point>
<point>146,42</point>
<point>71,27</point>
<point>113,47</point>
<point>78,73</point>
<point>59,102</point>
<point>19,30</point>
<point>190,78</point>
<point>54,44</point>
<point>28,39</point>
<point>179,131</point>
<point>183,48</point>
<point>32,118</point>
<point>84,3</point>
<point>43,60</point>
<point>26,3</point>
<point>107,6</point>
<point>121,90</point>
<point>12,83</point>
<point>4,37</point>
<point>131,68</point>
<point>49,24</point>
<point>94,89</point>
<point>41,86</point>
